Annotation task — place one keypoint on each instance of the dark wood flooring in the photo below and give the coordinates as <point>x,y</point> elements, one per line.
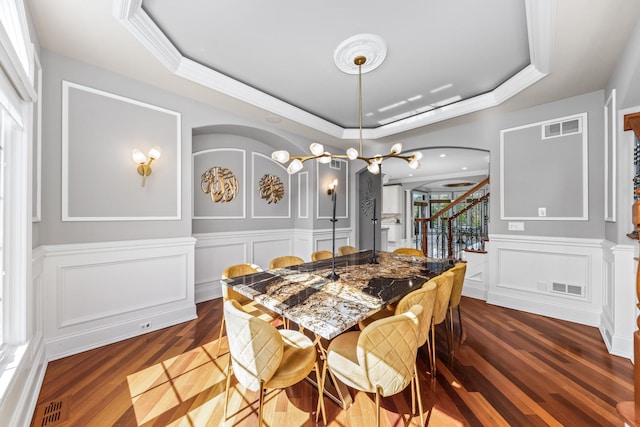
<point>513,368</point>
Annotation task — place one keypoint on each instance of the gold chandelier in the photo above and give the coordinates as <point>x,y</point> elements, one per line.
<point>318,153</point>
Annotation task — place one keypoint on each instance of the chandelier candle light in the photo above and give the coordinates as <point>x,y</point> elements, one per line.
<point>317,150</point>
<point>332,190</point>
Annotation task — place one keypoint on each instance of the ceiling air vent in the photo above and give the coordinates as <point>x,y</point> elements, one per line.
<point>567,127</point>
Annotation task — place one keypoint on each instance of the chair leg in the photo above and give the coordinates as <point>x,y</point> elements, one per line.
<point>433,350</point>
<point>320,406</point>
<point>452,350</point>
<point>461,328</point>
<point>413,394</point>
<point>226,390</point>
<point>417,380</point>
<point>430,357</point>
<point>219,338</point>
<point>261,403</point>
<point>377,406</point>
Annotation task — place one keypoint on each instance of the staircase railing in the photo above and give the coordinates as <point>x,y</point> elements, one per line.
<point>449,238</point>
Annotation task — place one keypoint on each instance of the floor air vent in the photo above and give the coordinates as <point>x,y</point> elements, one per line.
<point>563,288</point>
<point>51,413</point>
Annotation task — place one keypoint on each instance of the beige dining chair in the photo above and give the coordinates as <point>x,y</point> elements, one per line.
<point>285,261</point>
<point>320,255</point>
<point>379,359</point>
<point>459,271</point>
<point>444,284</point>
<point>410,252</point>
<point>347,250</point>
<point>263,357</point>
<point>247,304</point>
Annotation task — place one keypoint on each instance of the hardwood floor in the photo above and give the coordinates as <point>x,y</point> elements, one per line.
<point>513,369</point>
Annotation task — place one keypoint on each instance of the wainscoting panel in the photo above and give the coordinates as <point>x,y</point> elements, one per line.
<point>215,251</point>
<point>618,319</point>
<point>476,283</point>
<point>556,277</point>
<point>101,293</point>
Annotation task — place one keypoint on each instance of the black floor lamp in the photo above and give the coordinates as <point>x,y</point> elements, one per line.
<point>332,191</point>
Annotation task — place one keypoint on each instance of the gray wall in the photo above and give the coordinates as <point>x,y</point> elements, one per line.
<point>626,81</point>
<point>483,131</point>
<point>52,230</point>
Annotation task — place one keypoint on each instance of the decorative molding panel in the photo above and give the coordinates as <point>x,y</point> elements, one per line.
<point>303,194</point>
<point>476,283</point>
<point>203,206</point>
<point>556,277</point>
<point>100,293</point>
<point>259,207</point>
<point>36,141</point>
<point>610,157</point>
<point>110,190</point>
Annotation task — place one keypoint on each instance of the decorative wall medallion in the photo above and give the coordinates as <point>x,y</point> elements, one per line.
<point>271,188</point>
<point>220,183</point>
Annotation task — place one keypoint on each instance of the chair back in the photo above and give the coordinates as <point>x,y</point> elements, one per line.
<point>347,250</point>
<point>425,297</point>
<point>410,251</point>
<point>319,255</point>
<point>387,350</point>
<point>459,270</point>
<point>285,261</point>
<point>235,271</point>
<point>256,347</point>
<point>444,282</point>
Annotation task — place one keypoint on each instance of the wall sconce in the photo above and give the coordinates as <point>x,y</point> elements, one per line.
<point>144,163</point>
<point>332,186</point>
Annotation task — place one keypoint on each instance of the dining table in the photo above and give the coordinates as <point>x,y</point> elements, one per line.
<point>307,295</point>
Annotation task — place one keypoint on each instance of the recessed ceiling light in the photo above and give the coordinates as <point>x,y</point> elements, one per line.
<point>443,87</point>
<point>464,168</point>
<point>443,155</point>
<point>458,184</point>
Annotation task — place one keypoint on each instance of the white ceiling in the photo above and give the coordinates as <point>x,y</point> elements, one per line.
<point>272,62</point>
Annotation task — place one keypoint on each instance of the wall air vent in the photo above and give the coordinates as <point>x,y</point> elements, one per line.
<point>563,288</point>
<point>556,129</point>
<point>335,164</point>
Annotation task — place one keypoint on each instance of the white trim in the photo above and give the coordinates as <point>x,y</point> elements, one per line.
<point>306,195</point>
<point>610,177</point>
<point>14,63</point>
<point>242,189</point>
<point>540,25</point>
<point>346,192</point>
<point>585,171</point>
<point>37,141</point>
<point>66,85</point>
<point>254,185</point>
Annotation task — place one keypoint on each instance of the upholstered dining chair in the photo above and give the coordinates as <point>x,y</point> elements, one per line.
<point>379,359</point>
<point>263,357</point>
<point>410,252</point>
<point>347,250</point>
<point>459,271</point>
<point>285,261</point>
<point>444,283</point>
<point>320,255</point>
<point>247,304</point>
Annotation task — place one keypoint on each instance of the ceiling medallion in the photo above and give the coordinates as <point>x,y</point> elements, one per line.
<point>356,55</point>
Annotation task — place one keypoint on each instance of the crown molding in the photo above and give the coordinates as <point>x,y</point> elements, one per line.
<point>540,27</point>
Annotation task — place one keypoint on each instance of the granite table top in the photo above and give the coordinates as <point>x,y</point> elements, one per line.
<point>305,295</point>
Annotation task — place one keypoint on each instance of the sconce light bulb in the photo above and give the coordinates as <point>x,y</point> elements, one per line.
<point>281,156</point>
<point>352,153</point>
<point>294,166</point>
<point>373,167</point>
<point>414,164</point>
<point>316,149</point>
<point>396,148</point>
<point>138,156</point>
<point>155,152</point>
